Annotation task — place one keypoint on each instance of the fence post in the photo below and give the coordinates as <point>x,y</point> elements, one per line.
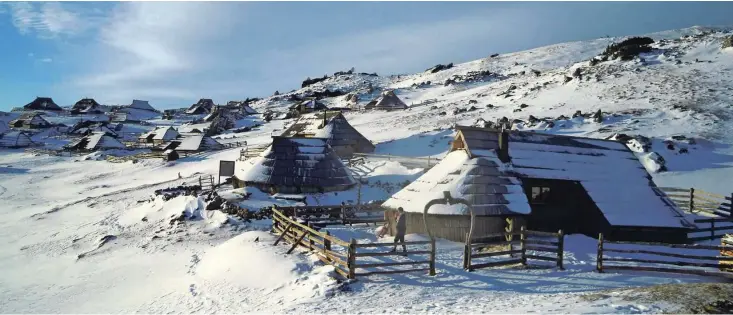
<point>310,237</point>
<point>599,255</point>
<point>327,243</point>
<point>712,230</point>
<point>343,214</point>
<point>467,254</point>
<point>432,256</point>
<point>692,200</point>
<point>351,259</point>
<point>560,248</point>
<point>523,243</point>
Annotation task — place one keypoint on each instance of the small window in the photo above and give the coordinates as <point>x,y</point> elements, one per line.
<point>540,194</point>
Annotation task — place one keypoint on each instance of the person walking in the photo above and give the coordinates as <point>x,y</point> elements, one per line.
<point>401,229</point>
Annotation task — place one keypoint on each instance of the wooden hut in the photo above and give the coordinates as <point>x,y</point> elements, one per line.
<point>31,120</point>
<point>86,106</point>
<point>295,165</point>
<point>387,101</point>
<point>98,140</point>
<point>15,139</point>
<point>332,125</point>
<point>87,127</point>
<point>196,142</point>
<point>548,182</point>
<point>42,103</point>
<point>203,106</point>
<point>307,106</point>
<point>159,135</point>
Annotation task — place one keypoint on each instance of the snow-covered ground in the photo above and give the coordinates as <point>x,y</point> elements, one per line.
<point>82,235</point>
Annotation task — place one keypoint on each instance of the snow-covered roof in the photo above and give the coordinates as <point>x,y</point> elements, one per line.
<point>42,103</point>
<point>142,105</point>
<point>161,133</point>
<point>198,142</point>
<point>483,182</point>
<point>297,162</point>
<point>387,100</point>
<point>102,140</point>
<point>332,125</point>
<point>15,139</point>
<point>31,119</point>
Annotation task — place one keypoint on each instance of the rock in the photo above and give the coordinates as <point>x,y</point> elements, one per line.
<point>494,56</point>
<point>670,146</point>
<point>276,93</point>
<point>536,72</point>
<point>489,106</point>
<point>523,105</point>
<point>511,88</point>
<point>561,117</point>
<point>517,110</point>
<point>472,108</point>
<point>550,124</point>
<point>598,116</point>
<point>578,73</point>
<point>449,82</point>
<point>567,79</point>
<point>578,114</point>
<point>533,120</point>
<point>683,151</point>
<point>442,114</point>
<point>472,102</point>
<point>594,61</point>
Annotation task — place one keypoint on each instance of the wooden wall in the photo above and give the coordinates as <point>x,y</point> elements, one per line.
<point>454,227</point>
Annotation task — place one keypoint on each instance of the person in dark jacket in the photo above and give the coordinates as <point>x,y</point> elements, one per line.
<point>401,229</point>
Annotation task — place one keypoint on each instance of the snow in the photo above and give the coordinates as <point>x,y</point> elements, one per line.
<point>56,209</point>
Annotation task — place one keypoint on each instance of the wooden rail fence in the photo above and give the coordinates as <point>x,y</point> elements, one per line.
<point>695,200</point>
<point>352,254</point>
<point>499,245</point>
<point>720,262</point>
<point>336,215</point>
<point>716,225</point>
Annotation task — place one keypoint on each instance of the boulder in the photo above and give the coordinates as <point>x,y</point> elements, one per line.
<point>494,56</point>
<point>653,162</point>
<point>533,120</point>
<point>598,116</point>
<point>523,105</point>
<point>517,110</point>
<point>536,72</point>
<point>578,114</point>
<point>472,102</point>
<point>567,79</point>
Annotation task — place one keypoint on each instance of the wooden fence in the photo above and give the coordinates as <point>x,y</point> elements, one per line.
<point>716,225</point>
<point>720,262</point>
<point>336,215</point>
<point>425,162</point>
<point>500,245</point>
<point>346,257</point>
<point>252,151</point>
<point>695,200</point>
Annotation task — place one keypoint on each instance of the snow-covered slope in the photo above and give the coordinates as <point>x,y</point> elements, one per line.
<point>84,235</point>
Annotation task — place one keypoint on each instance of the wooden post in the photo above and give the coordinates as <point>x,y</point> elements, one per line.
<point>343,215</point>
<point>467,254</point>
<point>351,259</point>
<point>523,243</point>
<point>297,242</point>
<point>327,242</point>
<point>712,230</point>
<point>285,231</point>
<point>432,257</point>
<point>599,255</point>
<point>692,199</point>
<point>560,248</point>
<point>310,237</point>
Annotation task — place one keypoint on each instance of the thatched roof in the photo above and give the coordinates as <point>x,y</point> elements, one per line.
<point>15,139</point>
<point>98,140</point>
<point>33,120</point>
<point>296,165</point>
<point>608,171</point>
<point>85,105</point>
<point>203,106</point>
<point>42,103</point>
<point>332,125</point>
<point>142,105</point>
<point>387,101</point>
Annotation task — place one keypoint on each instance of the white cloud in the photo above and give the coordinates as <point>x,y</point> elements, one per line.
<point>30,54</point>
<point>50,19</point>
<point>46,60</point>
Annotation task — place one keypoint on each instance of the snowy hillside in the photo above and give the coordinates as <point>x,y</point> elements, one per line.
<point>86,235</point>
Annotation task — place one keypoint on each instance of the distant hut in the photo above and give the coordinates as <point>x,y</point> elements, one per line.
<point>246,109</point>
<point>86,106</point>
<point>42,103</point>
<point>137,111</point>
<point>203,106</point>
<point>197,142</point>
<point>308,106</point>
<point>87,127</point>
<point>98,140</point>
<point>332,125</point>
<point>159,135</point>
<point>294,166</point>
<point>31,120</point>
<point>548,182</point>
<point>387,101</point>
<point>15,139</point>
<point>142,105</point>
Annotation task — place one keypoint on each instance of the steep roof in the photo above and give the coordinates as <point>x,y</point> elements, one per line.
<point>161,133</point>
<point>142,105</point>
<point>309,106</point>
<point>203,106</point>
<point>387,101</point>
<point>198,142</point>
<point>297,162</point>
<point>85,104</point>
<point>102,140</point>
<point>88,126</point>
<point>31,119</point>
<point>42,103</point>
<point>331,125</point>
<point>15,139</point>
<point>483,182</point>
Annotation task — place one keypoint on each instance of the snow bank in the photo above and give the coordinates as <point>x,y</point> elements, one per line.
<point>176,209</point>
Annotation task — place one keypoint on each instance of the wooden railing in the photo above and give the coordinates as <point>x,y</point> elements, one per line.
<point>716,225</point>
<point>346,257</point>
<point>499,245</point>
<point>719,262</point>
<point>331,215</point>
<point>425,162</point>
<point>695,200</point>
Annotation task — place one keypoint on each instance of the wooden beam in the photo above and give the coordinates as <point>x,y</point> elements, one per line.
<point>297,242</point>
<point>283,233</point>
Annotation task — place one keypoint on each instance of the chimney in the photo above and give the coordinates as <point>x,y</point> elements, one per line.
<point>503,152</point>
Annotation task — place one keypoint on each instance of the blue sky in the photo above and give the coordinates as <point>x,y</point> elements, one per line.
<point>173,53</point>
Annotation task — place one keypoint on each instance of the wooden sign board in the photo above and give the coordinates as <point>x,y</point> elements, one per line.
<point>226,168</point>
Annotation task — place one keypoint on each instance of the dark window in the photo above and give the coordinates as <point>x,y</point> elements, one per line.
<point>540,194</point>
